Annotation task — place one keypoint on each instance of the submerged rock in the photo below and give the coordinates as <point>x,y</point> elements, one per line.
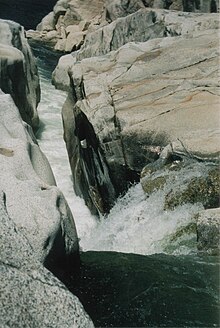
<point>208,231</point>
<point>203,189</point>
<point>19,76</point>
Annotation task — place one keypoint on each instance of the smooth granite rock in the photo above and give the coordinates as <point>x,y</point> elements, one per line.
<point>19,76</point>
<point>33,201</point>
<point>90,16</point>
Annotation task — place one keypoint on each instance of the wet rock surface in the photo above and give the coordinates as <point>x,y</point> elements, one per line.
<point>208,231</point>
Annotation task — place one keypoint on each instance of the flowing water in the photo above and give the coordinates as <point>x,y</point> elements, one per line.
<point>128,290</point>
<point>136,224</point>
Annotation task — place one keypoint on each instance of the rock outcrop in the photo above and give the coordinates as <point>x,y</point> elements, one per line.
<point>31,296</point>
<point>19,76</point>
<point>145,100</point>
<point>33,201</point>
<point>183,181</point>
<point>143,25</point>
<point>37,227</point>
<point>66,27</point>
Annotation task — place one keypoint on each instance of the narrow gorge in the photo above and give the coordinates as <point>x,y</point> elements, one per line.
<point>109,156</point>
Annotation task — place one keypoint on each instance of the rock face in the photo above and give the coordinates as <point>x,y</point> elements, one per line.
<point>33,201</point>
<point>36,224</point>
<point>19,76</point>
<point>31,296</point>
<point>183,182</point>
<point>66,27</point>
<point>141,26</point>
<point>208,231</point>
<point>142,101</point>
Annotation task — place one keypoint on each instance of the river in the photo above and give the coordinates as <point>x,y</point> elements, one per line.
<point>132,275</point>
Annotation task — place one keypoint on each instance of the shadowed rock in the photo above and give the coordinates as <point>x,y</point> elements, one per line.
<point>30,296</point>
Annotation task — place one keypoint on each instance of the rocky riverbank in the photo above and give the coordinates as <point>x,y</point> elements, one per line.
<point>71,21</point>
<point>142,105</point>
<point>142,88</point>
<point>37,227</point>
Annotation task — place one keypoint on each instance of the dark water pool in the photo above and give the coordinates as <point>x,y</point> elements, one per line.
<point>127,290</point>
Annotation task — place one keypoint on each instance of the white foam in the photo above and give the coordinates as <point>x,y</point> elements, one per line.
<point>136,224</point>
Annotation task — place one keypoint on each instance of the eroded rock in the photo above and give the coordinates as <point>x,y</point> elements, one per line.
<point>33,201</point>
<point>19,76</point>
<point>203,189</point>
<point>141,26</point>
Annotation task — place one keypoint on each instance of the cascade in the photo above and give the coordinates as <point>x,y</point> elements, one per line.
<point>130,290</point>
<point>137,223</point>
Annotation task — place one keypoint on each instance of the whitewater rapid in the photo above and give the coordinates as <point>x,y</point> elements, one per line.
<point>136,224</point>
<point>51,142</point>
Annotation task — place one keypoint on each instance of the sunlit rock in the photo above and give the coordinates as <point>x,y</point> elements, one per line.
<point>145,98</point>
<point>143,25</point>
<point>68,13</point>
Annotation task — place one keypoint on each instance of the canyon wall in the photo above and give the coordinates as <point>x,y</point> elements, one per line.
<point>37,227</point>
